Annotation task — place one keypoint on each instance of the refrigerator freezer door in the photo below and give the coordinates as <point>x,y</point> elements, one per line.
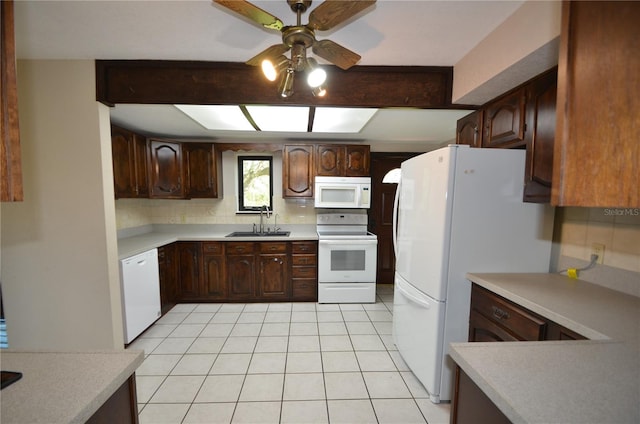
<point>424,221</point>
<point>418,331</point>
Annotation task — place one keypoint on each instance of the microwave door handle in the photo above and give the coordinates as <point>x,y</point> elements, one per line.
<point>358,195</point>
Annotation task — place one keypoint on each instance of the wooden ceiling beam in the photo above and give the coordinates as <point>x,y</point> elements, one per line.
<point>186,82</point>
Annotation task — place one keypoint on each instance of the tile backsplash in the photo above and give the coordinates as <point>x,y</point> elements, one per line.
<point>616,228</point>
<point>138,212</point>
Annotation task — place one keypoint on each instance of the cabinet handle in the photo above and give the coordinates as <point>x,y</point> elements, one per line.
<point>499,313</point>
<point>239,249</point>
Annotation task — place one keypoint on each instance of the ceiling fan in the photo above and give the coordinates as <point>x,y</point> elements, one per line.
<point>298,38</point>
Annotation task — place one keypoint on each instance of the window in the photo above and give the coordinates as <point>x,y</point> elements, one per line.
<point>255,183</point>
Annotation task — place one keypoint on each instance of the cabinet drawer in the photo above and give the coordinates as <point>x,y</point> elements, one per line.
<point>240,247</point>
<point>305,260</point>
<point>213,247</point>
<point>304,289</point>
<point>304,247</point>
<point>521,323</point>
<point>304,272</point>
<point>273,247</point>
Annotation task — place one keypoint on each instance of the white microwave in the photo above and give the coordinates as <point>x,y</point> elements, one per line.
<point>343,192</point>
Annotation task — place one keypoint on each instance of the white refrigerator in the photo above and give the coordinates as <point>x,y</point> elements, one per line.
<point>458,210</point>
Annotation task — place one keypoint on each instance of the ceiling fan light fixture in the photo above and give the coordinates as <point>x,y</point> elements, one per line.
<point>272,68</point>
<point>298,57</point>
<point>316,76</point>
<point>319,91</point>
<point>286,83</point>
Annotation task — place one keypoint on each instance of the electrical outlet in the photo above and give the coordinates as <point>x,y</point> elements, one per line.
<point>598,249</point>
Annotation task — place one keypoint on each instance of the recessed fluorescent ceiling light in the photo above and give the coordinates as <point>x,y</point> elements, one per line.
<point>216,117</point>
<point>280,118</point>
<point>341,120</point>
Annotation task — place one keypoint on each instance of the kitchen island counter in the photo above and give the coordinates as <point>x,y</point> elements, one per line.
<point>63,387</point>
<point>163,234</point>
<point>588,381</point>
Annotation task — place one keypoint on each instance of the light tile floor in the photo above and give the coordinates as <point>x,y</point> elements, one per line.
<point>279,363</point>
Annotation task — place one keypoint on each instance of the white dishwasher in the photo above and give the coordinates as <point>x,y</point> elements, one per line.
<point>140,280</point>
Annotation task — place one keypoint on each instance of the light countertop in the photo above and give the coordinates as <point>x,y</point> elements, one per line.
<point>160,235</point>
<point>63,387</point>
<point>589,381</point>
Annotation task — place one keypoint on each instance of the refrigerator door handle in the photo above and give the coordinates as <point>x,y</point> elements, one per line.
<point>412,298</point>
<point>394,229</point>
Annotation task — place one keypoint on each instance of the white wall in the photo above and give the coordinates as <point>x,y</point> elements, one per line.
<point>523,46</point>
<point>59,248</point>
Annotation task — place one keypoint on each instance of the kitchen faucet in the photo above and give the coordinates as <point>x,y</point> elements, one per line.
<point>264,210</point>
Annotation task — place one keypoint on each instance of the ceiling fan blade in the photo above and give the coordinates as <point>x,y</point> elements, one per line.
<point>333,12</point>
<point>335,53</point>
<point>252,12</point>
<point>268,53</point>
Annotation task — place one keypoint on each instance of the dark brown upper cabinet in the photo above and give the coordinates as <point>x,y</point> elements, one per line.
<point>597,152</point>
<point>342,160</point>
<point>540,137</point>
<point>504,124</point>
<point>129,156</point>
<point>469,129</point>
<point>201,170</point>
<point>165,170</point>
<point>297,170</point>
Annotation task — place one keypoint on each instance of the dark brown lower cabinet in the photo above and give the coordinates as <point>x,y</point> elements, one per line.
<point>168,277</point>
<point>471,406</point>
<point>493,318</point>
<point>189,262</point>
<point>240,271</point>
<point>213,284</point>
<point>121,407</point>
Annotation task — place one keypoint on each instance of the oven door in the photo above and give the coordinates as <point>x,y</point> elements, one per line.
<point>348,261</point>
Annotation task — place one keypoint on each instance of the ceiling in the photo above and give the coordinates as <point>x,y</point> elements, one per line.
<point>392,32</point>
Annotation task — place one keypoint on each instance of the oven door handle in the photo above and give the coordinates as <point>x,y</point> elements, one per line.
<point>346,242</point>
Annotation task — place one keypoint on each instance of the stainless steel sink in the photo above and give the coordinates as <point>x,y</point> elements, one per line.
<point>252,234</point>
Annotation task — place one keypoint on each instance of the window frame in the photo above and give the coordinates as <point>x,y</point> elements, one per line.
<point>240,169</point>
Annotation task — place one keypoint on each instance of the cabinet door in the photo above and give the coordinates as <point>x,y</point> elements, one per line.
<point>297,171</point>
<point>597,153</point>
<point>189,270</point>
<point>504,121</point>
<point>357,161</point>
<point>330,160</point>
<point>540,136</point>
<point>241,275</point>
<point>214,286</point>
<point>273,278</point>
<point>167,262</point>
<point>141,165</point>
<point>558,332</point>
<point>471,405</point>
<point>123,156</point>
<point>469,129</point>
<point>165,179</point>
<point>496,318</point>
<point>200,170</point>
<point>483,330</point>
